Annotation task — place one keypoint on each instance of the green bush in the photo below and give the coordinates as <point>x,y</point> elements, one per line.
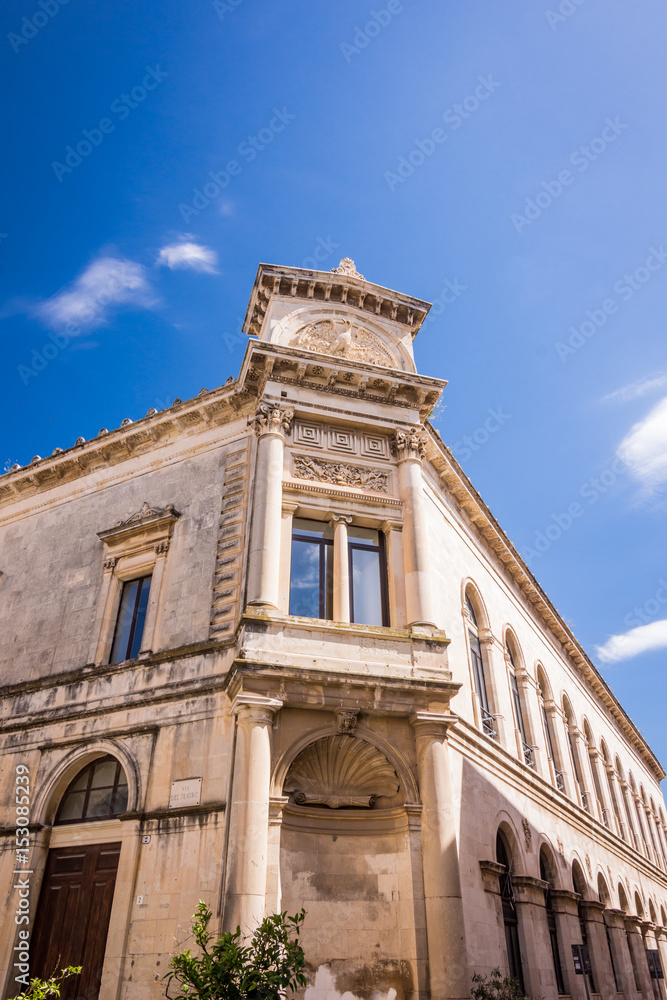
<point>495,987</point>
<point>39,989</point>
<point>266,968</point>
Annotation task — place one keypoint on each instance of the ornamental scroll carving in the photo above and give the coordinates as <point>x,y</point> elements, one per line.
<point>410,443</point>
<point>145,512</point>
<point>272,419</point>
<point>340,771</point>
<point>341,474</point>
<point>338,337</point>
<point>347,267</point>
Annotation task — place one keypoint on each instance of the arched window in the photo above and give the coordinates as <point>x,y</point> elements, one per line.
<point>543,694</point>
<point>579,886</point>
<point>98,792</point>
<point>590,746</point>
<point>604,897</point>
<point>623,903</point>
<point>659,834</point>
<point>663,916</point>
<point>512,662</point>
<point>624,795</point>
<point>649,820</point>
<point>612,789</point>
<point>510,919</point>
<point>638,813</point>
<point>576,771</point>
<point>546,874</point>
<point>477,664</point>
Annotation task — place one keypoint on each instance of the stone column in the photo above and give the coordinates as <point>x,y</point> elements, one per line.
<point>598,948</point>
<point>538,967</point>
<point>617,804</point>
<point>648,933</point>
<point>633,926</point>
<point>569,933</point>
<point>150,640</point>
<point>615,920</point>
<point>341,569</point>
<point>247,848</point>
<point>271,424</point>
<point>445,931</point>
<point>661,945</point>
<point>409,446</point>
<point>633,835</point>
<point>598,766</point>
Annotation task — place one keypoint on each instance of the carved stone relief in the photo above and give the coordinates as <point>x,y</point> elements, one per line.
<point>340,474</point>
<point>340,338</point>
<point>340,771</point>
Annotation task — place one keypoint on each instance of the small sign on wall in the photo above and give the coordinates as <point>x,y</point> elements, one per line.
<point>185,793</point>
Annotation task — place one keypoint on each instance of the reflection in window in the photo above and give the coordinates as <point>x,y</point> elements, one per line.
<point>311,584</point>
<point>97,792</point>
<point>131,619</point>
<point>368,601</point>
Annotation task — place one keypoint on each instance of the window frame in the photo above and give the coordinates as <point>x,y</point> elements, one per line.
<point>129,645</point>
<point>320,543</point>
<point>116,784</point>
<point>380,548</point>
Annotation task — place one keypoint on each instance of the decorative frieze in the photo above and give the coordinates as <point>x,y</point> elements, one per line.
<point>340,338</point>
<point>340,474</point>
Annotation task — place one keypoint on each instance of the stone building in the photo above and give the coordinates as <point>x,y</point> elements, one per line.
<point>270,649</point>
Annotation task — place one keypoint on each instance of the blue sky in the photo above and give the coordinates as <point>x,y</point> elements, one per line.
<point>504,161</point>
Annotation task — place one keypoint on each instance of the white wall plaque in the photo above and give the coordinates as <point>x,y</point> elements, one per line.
<point>185,793</point>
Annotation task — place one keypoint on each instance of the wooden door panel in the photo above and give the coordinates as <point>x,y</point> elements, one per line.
<point>73,916</point>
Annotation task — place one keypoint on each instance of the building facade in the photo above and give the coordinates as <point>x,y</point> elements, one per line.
<point>269,648</point>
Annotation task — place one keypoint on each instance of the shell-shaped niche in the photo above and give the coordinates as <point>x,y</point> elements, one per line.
<point>340,771</point>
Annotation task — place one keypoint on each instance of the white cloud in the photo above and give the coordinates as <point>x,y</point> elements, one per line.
<point>638,388</point>
<point>644,448</point>
<point>86,303</point>
<point>632,643</point>
<point>188,254</point>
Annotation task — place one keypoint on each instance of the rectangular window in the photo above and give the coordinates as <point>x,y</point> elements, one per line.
<point>368,584</point>
<point>131,619</point>
<point>311,584</point>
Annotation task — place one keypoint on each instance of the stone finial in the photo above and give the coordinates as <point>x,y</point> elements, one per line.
<point>151,412</point>
<point>80,440</point>
<point>125,422</point>
<point>57,451</point>
<point>102,432</point>
<point>347,268</point>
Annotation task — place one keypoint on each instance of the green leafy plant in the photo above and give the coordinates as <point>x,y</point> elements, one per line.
<point>495,987</point>
<point>266,967</point>
<point>41,988</point>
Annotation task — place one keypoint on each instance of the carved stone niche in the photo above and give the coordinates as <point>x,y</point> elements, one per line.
<point>340,771</point>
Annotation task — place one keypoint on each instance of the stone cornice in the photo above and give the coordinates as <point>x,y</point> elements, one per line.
<point>330,286</point>
<point>470,502</point>
<point>109,448</point>
<point>291,366</point>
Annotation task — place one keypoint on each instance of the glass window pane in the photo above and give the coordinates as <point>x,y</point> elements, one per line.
<point>328,582</point>
<point>104,774</point>
<point>363,536</point>
<point>72,807</point>
<point>366,587</point>
<point>120,803</point>
<point>305,579</point>
<point>314,529</point>
<point>478,671</point>
<point>99,802</point>
<point>81,783</point>
<point>124,622</point>
<point>140,616</point>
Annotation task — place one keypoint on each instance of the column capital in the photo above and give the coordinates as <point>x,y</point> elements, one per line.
<point>341,519</point>
<point>410,443</point>
<point>565,901</point>
<point>632,922</point>
<point>615,917</point>
<point>255,708</point>
<point>593,909</point>
<point>432,724</point>
<point>272,418</point>
<point>529,889</point>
